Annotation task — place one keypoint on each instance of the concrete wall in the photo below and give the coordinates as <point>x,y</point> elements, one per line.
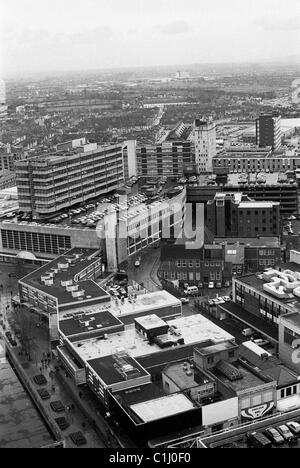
<point>220,412</point>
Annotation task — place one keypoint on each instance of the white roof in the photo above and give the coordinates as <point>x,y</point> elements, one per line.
<point>255,348</point>
<point>149,322</point>
<point>162,407</point>
<point>194,329</point>
<point>144,303</point>
<point>257,204</point>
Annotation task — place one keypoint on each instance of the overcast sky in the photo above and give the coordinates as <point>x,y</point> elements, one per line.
<point>42,35</point>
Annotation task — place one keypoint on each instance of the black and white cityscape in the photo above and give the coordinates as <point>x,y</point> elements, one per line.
<point>149,226</point>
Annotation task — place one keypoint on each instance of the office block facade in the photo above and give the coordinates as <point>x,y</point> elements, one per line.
<point>49,184</point>
<point>236,215</point>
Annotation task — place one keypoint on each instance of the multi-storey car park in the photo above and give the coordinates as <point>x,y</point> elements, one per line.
<point>273,187</point>
<point>120,227</point>
<point>253,159</point>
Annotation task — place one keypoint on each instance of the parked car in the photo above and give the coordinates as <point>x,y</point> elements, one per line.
<point>274,436</point>
<point>294,427</point>
<point>211,285</point>
<point>78,439</point>
<point>185,300</point>
<point>258,440</point>
<point>137,264</point>
<point>226,298</point>
<point>191,291</point>
<point>286,433</point>
<point>218,285</point>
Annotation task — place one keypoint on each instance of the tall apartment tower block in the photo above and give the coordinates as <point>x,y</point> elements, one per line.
<point>205,144</point>
<point>268,131</point>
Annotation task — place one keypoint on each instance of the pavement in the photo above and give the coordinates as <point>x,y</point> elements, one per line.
<point>21,424</point>
<point>39,349</point>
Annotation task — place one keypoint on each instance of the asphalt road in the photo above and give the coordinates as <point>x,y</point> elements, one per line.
<point>146,274</point>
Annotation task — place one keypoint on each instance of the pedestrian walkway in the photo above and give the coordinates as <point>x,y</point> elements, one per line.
<point>89,405</point>
<point>75,418</point>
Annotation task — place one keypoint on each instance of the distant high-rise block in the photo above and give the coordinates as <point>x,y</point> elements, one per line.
<point>268,131</point>
<point>205,144</point>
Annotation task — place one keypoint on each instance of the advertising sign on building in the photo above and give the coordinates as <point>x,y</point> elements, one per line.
<point>257,411</point>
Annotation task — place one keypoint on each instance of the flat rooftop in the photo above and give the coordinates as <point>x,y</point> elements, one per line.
<point>293,319</point>
<point>269,179</point>
<point>245,152</point>
<point>66,269</point>
<point>184,376</point>
<point>117,368</point>
<point>257,282</point>
<point>85,322</point>
<point>144,303</point>
<point>207,351</point>
<point>198,328</point>
<point>162,407</point>
<point>150,321</point>
<point>62,156</point>
<point>249,380</point>
<point>258,205</point>
<point>250,241</point>
<point>194,329</point>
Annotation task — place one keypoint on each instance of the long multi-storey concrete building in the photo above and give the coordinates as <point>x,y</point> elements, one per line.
<point>54,182</point>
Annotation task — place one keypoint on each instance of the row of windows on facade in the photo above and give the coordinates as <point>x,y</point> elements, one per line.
<point>196,263</point>
<point>190,276</point>
<point>48,175</point>
<point>262,162</point>
<point>266,304</point>
<point>75,182</point>
<point>44,243</point>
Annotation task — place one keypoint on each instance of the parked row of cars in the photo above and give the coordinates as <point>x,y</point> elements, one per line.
<point>118,291</point>
<point>194,290</point>
<point>251,334</point>
<point>285,433</point>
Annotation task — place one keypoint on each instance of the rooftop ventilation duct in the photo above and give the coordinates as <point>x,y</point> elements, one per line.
<point>66,283</point>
